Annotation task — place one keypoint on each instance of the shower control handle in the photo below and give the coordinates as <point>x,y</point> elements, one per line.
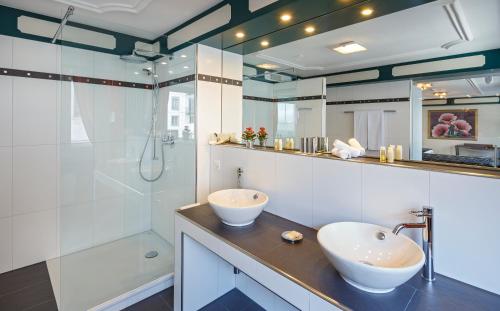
<point>168,139</point>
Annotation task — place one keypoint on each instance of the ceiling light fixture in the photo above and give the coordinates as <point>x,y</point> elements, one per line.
<point>440,94</point>
<point>240,35</point>
<point>268,66</point>
<point>163,63</point>
<point>170,72</point>
<point>183,55</point>
<point>186,67</point>
<point>264,43</point>
<point>310,29</point>
<point>349,47</point>
<point>286,17</point>
<point>367,12</point>
<point>424,86</point>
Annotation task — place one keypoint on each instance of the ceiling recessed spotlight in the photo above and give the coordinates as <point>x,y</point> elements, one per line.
<point>264,43</point>
<point>349,47</point>
<point>268,66</point>
<point>468,95</point>
<point>286,17</point>
<point>441,94</point>
<point>186,67</point>
<point>183,55</point>
<point>136,73</point>
<point>163,63</point>
<point>310,29</point>
<point>424,86</point>
<point>367,12</point>
<point>240,35</point>
<point>149,68</point>
<point>170,72</point>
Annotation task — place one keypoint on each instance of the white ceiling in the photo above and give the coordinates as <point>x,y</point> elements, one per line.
<point>408,35</point>
<point>143,18</point>
<point>473,86</point>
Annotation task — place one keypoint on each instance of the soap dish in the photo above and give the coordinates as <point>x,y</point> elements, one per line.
<point>292,236</point>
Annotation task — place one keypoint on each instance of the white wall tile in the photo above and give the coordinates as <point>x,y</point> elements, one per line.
<point>5,51</point>
<point>293,196</point>
<point>232,66</point>
<point>35,111</point>
<point>389,193</point>
<point>466,228</point>
<point>35,55</point>
<point>5,182</point>
<point>34,179</point>
<point>5,110</point>
<point>77,62</point>
<point>75,227</point>
<point>5,244</point>
<point>209,61</point>
<point>337,191</point>
<point>109,113</point>
<point>109,66</point>
<point>137,214</point>
<point>76,173</point>
<point>108,220</point>
<point>109,171</point>
<point>34,238</point>
<point>232,109</point>
<point>76,113</point>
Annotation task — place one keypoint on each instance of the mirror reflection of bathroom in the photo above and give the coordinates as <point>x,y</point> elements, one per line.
<point>461,120</point>
<point>345,83</point>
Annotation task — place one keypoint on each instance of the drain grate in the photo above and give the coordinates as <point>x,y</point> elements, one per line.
<point>151,254</point>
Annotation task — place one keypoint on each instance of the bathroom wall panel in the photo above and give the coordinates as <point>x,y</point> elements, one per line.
<point>5,111</point>
<point>209,61</point>
<point>76,113</point>
<point>77,62</point>
<point>5,182</point>
<point>5,244</point>
<point>34,111</point>
<point>208,122</point>
<point>109,113</point>
<point>294,184</point>
<point>46,58</point>
<point>337,192</point>
<point>75,227</point>
<point>75,173</point>
<point>6,51</point>
<point>232,109</point>
<point>34,179</point>
<point>466,228</point>
<point>34,238</point>
<point>389,193</point>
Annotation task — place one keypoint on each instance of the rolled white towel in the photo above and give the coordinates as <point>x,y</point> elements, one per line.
<point>343,146</point>
<point>341,153</point>
<point>353,142</point>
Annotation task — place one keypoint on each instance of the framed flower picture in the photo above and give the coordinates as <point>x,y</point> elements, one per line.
<point>452,124</point>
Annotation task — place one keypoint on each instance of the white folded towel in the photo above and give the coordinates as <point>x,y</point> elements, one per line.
<point>353,142</point>
<point>341,153</point>
<point>343,146</point>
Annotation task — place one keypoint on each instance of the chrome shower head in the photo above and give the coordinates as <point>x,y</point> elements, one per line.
<point>134,58</point>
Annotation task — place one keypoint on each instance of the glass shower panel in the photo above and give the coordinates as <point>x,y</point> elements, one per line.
<point>115,216</point>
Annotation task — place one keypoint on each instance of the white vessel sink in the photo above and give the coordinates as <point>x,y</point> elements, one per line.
<point>370,257</point>
<point>238,207</point>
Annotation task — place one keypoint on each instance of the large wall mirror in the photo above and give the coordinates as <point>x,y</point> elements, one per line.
<point>425,78</point>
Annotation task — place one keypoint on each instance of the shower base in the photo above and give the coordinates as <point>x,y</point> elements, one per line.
<point>113,275</point>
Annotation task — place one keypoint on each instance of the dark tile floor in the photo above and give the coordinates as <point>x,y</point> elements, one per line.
<point>27,288</point>
<point>163,301</point>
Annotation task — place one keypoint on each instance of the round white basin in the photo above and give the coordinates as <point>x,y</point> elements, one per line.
<point>238,207</point>
<point>370,257</point>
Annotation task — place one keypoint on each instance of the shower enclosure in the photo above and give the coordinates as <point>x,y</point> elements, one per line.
<point>127,157</point>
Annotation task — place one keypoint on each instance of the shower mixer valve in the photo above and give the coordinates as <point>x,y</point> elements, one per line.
<point>168,139</point>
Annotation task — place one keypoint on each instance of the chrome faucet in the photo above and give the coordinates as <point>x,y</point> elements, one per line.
<point>427,237</point>
<point>239,171</point>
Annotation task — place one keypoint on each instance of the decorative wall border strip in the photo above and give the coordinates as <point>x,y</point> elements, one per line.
<point>79,79</point>
<point>288,99</point>
<point>180,80</point>
<point>369,101</point>
<point>208,78</point>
